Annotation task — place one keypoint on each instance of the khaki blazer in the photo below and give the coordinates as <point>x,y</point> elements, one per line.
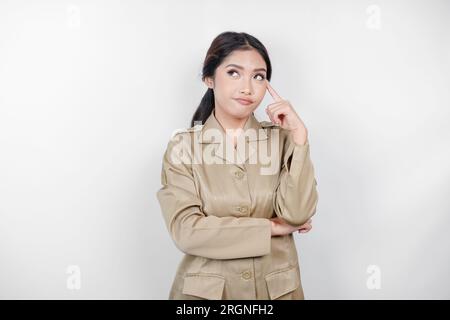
<point>217,210</point>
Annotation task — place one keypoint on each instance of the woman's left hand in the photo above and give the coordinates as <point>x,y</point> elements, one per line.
<point>282,113</point>
<point>306,227</point>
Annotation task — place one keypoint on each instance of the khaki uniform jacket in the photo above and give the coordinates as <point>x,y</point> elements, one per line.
<point>217,213</point>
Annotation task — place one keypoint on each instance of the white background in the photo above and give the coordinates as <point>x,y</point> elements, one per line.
<point>90,92</point>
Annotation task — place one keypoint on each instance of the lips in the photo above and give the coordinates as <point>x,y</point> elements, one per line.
<point>245,102</point>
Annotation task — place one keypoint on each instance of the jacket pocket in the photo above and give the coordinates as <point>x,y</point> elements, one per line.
<point>282,281</point>
<point>204,285</point>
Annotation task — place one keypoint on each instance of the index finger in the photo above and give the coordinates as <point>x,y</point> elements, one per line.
<point>273,93</point>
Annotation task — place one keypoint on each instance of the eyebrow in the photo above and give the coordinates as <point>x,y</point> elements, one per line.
<point>242,68</point>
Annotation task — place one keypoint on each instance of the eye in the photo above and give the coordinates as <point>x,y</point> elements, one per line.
<point>232,72</point>
<point>235,74</point>
<point>261,76</point>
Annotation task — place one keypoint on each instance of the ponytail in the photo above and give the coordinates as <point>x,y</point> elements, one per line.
<point>205,108</point>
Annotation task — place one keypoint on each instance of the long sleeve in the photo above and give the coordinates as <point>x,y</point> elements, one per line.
<point>295,199</point>
<point>195,233</point>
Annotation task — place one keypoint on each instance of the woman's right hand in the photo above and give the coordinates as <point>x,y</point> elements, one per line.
<point>281,227</point>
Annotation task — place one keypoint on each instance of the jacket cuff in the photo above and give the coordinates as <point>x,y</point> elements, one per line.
<point>259,240</point>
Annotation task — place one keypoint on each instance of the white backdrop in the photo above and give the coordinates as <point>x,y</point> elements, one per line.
<point>90,92</point>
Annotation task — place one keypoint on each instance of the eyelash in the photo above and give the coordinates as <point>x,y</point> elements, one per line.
<point>230,72</point>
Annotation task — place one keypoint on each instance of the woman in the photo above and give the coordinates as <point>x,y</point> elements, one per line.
<point>229,203</point>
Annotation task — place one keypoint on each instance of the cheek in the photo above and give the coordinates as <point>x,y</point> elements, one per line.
<point>260,91</point>
<point>224,86</point>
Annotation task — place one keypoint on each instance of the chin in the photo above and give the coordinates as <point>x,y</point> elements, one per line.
<point>241,114</point>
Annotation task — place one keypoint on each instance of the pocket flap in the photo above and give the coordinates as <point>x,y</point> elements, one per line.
<point>204,285</point>
<point>282,281</point>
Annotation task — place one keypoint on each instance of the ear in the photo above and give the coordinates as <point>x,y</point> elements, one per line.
<point>209,82</point>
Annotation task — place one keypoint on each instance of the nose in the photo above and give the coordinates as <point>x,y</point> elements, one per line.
<point>247,89</point>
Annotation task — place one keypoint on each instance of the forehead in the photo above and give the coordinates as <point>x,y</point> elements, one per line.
<point>249,59</point>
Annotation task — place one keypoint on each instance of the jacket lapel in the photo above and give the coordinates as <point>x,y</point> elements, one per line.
<point>247,144</point>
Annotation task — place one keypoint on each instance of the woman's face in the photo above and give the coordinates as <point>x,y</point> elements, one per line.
<point>241,75</point>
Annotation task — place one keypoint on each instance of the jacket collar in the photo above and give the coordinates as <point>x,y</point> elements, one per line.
<point>212,132</point>
<point>251,123</point>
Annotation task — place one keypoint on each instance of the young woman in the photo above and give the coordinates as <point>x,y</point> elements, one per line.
<point>234,189</point>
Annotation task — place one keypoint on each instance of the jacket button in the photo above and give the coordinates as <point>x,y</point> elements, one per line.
<point>243,209</point>
<point>246,275</point>
<point>239,174</point>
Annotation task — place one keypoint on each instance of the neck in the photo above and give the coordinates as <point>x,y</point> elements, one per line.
<point>228,122</point>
